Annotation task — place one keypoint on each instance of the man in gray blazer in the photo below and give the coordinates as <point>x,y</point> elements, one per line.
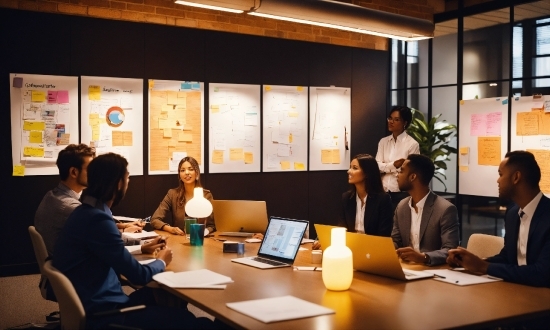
<point>425,226</point>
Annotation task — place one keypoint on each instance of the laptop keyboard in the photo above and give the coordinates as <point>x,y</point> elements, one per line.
<point>235,234</point>
<point>269,262</point>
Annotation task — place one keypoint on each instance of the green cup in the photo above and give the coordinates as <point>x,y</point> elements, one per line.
<point>188,222</point>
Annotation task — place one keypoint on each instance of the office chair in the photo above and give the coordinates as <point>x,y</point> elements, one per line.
<point>73,316</point>
<point>485,245</point>
<point>41,255</point>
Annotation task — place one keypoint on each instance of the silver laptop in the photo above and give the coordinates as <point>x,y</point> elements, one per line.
<point>240,218</point>
<point>376,255</point>
<point>280,244</point>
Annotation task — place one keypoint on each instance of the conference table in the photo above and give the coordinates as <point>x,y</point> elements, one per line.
<point>372,302</point>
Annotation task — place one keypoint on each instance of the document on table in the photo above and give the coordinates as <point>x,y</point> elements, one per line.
<point>459,278</point>
<point>193,279</point>
<point>279,309</point>
<point>142,235</point>
<point>125,219</point>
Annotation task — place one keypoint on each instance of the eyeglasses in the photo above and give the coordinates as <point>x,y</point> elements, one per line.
<point>393,119</point>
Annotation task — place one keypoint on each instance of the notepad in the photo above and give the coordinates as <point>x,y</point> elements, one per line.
<point>459,278</point>
<point>279,309</point>
<point>193,279</point>
<point>142,235</point>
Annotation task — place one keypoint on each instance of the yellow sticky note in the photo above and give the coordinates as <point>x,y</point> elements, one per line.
<point>543,159</point>
<point>93,116</point>
<point>488,150</point>
<point>172,98</point>
<point>236,154</point>
<point>18,170</point>
<point>335,156</point>
<point>299,88</point>
<point>461,102</point>
<point>95,134</point>
<point>290,138</point>
<point>151,83</point>
<point>182,95</point>
<point>35,137</point>
<point>117,139</point>
<point>215,108</point>
<point>326,156</point>
<point>38,96</point>
<point>94,93</point>
<point>463,168</point>
<point>127,138</point>
<point>185,137</point>
<point>527,123</point>
<point>267,88</point>
<point>187,127</point>
<point>464,150</point>
<point>33,152</point>
<point>248,158</point>
<point>33,125</point>
<point>64,140</point>
<point>166,108</point>
<point>217,157</point>
<point>167,132</point>
<point>299,166</point>
<point>293,114</point>
<point>285,165</point>
<point>172,143</point>
<point>163,123</point>
<point>102,121</point>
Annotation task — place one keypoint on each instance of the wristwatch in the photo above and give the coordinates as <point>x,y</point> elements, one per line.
<point>427,259</point>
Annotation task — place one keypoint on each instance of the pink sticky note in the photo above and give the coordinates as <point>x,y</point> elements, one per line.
<point>52,96</point>
<point>63,97</point>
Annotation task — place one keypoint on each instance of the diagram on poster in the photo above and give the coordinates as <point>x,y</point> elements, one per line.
<point>112,117</point>
<point>234,123</point>
<point>285,128</point>
<point>330,128</point>
<point>176,115</point>
<point>44,120</point>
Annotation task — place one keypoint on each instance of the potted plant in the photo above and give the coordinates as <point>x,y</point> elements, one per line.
<point>433,137</point>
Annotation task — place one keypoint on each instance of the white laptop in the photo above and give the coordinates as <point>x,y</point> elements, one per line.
<point>376,255</point>
<point>240,218</point>
<point>280,244</point>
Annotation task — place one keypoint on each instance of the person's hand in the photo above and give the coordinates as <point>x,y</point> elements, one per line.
<point>258,236</point>
<point>410,255</point>
<point>165,255</point>
<point>138,224</point>
<point>158,242</point>
<point>464,258</point>
<point>399,162</point>
<point>132,229</point>
<point>316,245</point>
<point>173,230</point>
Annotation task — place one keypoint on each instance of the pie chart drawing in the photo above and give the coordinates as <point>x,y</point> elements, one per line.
<point>115,116</point>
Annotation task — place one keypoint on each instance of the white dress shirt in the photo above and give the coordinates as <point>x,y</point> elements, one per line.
<point>360,214</point>
<point>390,150</point>
<point>525,223</point>
<point>416,218</point>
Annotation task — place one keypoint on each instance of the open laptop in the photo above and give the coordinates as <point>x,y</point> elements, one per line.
<point>280,244</point>
<point>323,235</point>
<point>376,255</point>
<point>240,218</point>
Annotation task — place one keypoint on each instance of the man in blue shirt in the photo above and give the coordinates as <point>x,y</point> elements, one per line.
<point>90,252</point>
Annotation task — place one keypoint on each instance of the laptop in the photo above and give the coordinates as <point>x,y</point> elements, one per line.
<point>323,234</point>
<point>280,244</point>
<point>376,255</point>
<point>240,218</point>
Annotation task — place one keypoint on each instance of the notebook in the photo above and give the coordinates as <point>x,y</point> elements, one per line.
<point>280,244</point>
<point>240,218</point>
<point>376,255</point>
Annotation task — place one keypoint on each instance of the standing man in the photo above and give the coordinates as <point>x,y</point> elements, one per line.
<point>90,252</point>
<point>525,258</point>
<point>425,226</point>
<point>394,149</point>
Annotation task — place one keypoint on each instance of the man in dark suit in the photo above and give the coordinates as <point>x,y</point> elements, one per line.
<point>525,258</point>
<point>425,226</point>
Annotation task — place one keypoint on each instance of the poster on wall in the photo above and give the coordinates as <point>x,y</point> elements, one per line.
<point>329,128</point>
<point>44,120</point>
<point>112,117</point>
<point>176,116</point>
<point>284,128</point>
<point>234,121</point>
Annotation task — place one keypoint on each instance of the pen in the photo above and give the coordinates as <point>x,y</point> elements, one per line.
<point>439,276</point>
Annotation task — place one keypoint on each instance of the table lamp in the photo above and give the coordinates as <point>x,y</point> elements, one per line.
<point>198,206</point>
<point>337,270</point>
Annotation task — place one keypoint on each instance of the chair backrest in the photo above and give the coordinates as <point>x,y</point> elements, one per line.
<point>485,245</point>
<point>40,251</point>
<point>71,310</point>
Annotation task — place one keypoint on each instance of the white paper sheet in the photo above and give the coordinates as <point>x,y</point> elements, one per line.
<point>142,235</point>
<point>193,279</point>
<point>459,278</point>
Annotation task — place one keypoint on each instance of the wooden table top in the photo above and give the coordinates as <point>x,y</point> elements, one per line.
<point>372,302</point>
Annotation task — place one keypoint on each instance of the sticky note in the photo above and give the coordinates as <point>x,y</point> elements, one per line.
<point>33,152</point>
<point>186,85</point>
<point>248,158</point>
<point>182,95</point>
<point>151,83</point>
<point>167,133</point>
<point>335,156</point>
<point>62,96</point>
<point>52,96</point>
<point>17,82</point>
<point>117,140</point>
<point>64,139</point>
<point>95,134</point>
<point>93,119</point>
<point>267,88</point>
<point>94,93</point>
<point>290,138</point>
<point>505,101</point>
<point>293,114</point>
<point>172,143</point>
<point>285,165</point>
<point>215,108</point>
<point>35,137</point>
<point>236,154</point>
<point>217,157</point>
<point>461,102</point>
<point>166,107</point>
<point>299,166</point>
<point>195,86</point>
<point>127,138</point>
<point>488,150</point>
<point>463,168</point>
<point>326,156</point>
<point>38,96</point>
<point>172,98</point>
<point>185,137</point>
<point>33,125</point>
<point>163,123</point>
<point>18,170</point>
<point>464,150</point>
<point>299,88</point>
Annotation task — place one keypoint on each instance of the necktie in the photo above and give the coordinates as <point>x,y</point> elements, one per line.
<point>521,214</point>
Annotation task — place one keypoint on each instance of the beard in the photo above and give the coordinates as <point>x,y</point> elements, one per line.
<point>119,195</point>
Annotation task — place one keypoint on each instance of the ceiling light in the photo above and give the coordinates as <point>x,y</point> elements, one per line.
<point>493,84</point>
<point>232,6</point>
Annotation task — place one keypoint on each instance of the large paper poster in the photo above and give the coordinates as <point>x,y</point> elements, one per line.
<point>176,115</point>
<point>330,128</point>
<point>285,128</point>
<point>112,117</point>
<point>44,120</point>
<point>234,128</point>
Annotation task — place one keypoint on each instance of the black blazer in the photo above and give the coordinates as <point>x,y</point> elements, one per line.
<point>378,213</point>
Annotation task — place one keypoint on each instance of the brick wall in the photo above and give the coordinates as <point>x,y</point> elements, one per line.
<point>166,12</point>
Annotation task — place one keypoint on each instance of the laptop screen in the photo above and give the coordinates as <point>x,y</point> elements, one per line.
<point>282,238</point>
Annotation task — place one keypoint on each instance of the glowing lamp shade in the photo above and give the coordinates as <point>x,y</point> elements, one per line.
<point>337,262</point>
<point>198,206</point>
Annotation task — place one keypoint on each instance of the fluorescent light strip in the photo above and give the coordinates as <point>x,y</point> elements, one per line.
<point>193,4</point>
<point>339,27</point>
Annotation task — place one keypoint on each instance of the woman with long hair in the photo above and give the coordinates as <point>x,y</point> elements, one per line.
<point>175,199</point>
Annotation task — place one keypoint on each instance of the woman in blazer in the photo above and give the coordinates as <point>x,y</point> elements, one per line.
<point>175,199</point>
<point>366,208</point>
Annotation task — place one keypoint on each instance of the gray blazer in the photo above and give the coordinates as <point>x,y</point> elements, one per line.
<point>438,227</point>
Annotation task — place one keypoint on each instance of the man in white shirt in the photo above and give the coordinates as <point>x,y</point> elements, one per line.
<point>525,258</point>
<point>394,149</point>
<point>425,226</point>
